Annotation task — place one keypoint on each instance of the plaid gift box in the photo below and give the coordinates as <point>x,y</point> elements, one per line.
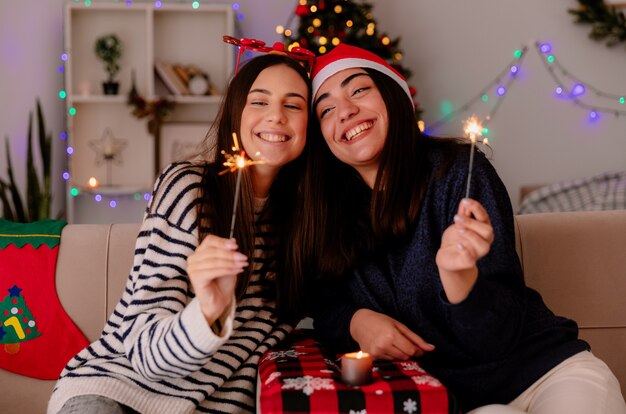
<point>298,376</point>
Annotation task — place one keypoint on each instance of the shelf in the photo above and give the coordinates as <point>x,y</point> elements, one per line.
<point>113,191</point>
<point>173,33</point>
<point>185,99</point>
<point>113,99</point>
<point>117,99</point>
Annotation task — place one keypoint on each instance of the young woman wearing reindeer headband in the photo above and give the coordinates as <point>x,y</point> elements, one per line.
<point>200,308</point>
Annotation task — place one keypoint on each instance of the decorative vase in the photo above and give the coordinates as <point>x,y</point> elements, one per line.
<point>110,88</point>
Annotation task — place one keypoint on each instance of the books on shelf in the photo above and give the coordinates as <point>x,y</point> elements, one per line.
<point>172,81</point>
<point>184,80</point>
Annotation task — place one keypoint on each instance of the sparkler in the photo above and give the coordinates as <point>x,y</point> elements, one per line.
<point>473,129</point>
<point>236,161</point>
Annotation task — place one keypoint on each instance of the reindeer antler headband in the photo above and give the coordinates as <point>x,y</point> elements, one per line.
<point>296,52</point>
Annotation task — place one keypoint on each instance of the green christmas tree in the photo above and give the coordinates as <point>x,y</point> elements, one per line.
<point>326,23</point>
<point>16,322</point>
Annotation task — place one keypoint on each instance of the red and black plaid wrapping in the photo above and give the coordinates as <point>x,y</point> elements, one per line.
<point>298,376</point>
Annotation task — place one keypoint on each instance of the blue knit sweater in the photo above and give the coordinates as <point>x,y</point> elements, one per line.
<point>494,344</point>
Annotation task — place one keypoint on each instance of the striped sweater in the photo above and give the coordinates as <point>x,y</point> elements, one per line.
<point>157,354</point>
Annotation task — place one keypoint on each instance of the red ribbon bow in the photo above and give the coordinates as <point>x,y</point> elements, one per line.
<point>296,52</point>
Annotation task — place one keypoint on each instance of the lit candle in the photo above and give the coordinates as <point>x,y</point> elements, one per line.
<point>356,368</point>
<point>93,182</point>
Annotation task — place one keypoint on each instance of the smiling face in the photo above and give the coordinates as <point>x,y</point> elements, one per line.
<point>353,119</point>
<point>274,118</point>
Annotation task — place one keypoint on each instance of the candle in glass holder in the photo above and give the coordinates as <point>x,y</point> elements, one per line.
<point>356,368</point>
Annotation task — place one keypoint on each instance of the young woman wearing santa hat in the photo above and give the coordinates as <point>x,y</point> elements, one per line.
<point>409,267</point>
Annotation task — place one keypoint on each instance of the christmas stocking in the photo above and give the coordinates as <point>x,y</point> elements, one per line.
<point>37,338</point>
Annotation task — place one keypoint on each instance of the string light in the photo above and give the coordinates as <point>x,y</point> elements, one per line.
<point>507,73</point>
<point>579,89</point>
<point>236,7</point>
<point>575,92</point>
<point>113,201</point>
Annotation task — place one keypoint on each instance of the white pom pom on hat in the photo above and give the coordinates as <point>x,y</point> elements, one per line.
<point>347,57</point>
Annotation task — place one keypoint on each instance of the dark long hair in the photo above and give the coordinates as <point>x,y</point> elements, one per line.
<point>351,219</point>
<point>217,193</point>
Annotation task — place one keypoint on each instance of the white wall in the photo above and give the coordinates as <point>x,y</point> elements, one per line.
<point>31,41</point>
<point>454,48</point>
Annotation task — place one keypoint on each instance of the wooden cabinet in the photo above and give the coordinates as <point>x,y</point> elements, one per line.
<point>184,34</point>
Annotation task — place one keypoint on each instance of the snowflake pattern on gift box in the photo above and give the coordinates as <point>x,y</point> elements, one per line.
<point>308,384</point>
<point>426,380</point>
<point>331,363</point>
<point>363,411</point>
<point>411,366</point>
<point>409,406</point>
<point>290,353</point>
<point>272,377</point>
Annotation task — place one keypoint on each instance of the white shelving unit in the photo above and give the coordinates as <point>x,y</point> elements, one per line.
<point>176,33</point>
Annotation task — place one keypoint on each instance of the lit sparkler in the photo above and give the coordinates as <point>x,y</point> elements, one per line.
<point>236,161</point>
<point>473,129</point>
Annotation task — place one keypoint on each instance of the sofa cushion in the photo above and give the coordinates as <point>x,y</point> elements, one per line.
<point>577,261</point>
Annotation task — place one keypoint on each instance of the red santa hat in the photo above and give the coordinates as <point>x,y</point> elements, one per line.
<point>347,57</point>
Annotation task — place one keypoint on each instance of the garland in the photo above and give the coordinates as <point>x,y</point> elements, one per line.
<point>607,22</point>
<point>156,111</point>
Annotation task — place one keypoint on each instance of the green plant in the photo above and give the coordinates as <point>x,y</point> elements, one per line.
<point>109,50</point>
<point>38,197</point>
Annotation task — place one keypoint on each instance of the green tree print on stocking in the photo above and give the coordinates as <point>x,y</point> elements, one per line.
<point>17,324</point>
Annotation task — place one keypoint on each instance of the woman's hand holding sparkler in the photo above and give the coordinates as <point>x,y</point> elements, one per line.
<point>468,239</point>
<point>213,270</point>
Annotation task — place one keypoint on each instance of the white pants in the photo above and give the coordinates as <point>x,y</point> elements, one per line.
<point>582,384</point>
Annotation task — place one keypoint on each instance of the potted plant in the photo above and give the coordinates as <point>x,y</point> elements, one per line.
<point>109,50</point>
<point>36,203</point>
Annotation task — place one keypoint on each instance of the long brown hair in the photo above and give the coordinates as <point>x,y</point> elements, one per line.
<point>217,192</point>
<point>352,221</point>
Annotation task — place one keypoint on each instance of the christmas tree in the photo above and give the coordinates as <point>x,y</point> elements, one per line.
<point>326,23</point>
<point>16,322</point>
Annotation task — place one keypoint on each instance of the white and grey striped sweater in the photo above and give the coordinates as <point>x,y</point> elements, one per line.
<point>157,354</point>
